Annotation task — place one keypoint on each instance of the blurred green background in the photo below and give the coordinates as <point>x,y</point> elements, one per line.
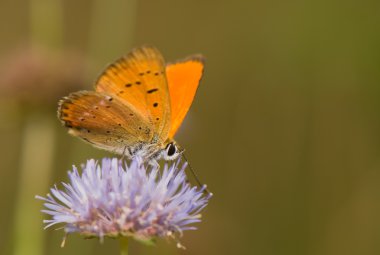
<point>285,128</point>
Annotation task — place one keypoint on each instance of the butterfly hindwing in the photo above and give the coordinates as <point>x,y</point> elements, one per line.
<point>104,121</point>
<point>140,80</point>
<point>183,81</point>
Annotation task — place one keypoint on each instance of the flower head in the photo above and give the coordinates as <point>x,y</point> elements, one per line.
<point>110,199</point>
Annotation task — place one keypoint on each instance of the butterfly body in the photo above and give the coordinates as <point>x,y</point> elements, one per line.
<point>138,105</point>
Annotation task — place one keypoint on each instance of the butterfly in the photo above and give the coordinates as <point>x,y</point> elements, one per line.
<point>138,104</point>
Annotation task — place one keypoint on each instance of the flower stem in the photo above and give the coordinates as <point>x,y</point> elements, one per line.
<point>114,19</point>
<point>48,34</point>
<point>124,245</point>
<point>36,163</point>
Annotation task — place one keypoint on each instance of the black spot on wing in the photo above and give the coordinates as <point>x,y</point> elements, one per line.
<point>152,90</point>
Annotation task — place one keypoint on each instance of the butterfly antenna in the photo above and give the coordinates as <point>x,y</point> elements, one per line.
<point>199,183</point>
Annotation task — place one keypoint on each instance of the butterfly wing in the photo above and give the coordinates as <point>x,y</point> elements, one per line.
<point>183,80</point>
<point>139,79</point>
<point>104,121</point>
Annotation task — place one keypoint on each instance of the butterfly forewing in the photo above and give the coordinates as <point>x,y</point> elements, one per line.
<point>138,103</point>
<point>139,79</point>
<point>183,80</point>
<point>104,121</point>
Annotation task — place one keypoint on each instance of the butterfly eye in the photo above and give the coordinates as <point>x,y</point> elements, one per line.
<point>171,149</point>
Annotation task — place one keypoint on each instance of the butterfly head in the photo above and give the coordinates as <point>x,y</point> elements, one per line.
<point>171,151</point>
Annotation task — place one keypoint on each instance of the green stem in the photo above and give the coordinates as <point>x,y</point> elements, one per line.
<point>46,22</point>
<point>112,29</point>
<point>124,245</point>
<point>36,163</point>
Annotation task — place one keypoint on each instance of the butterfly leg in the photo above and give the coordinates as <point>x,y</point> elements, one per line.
<point>123,155</point>
<point>154,163</point>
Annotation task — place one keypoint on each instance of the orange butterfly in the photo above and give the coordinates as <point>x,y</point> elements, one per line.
<point>138,105</point>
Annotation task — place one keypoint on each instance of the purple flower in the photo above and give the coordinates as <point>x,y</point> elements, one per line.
<point>108,199</point>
